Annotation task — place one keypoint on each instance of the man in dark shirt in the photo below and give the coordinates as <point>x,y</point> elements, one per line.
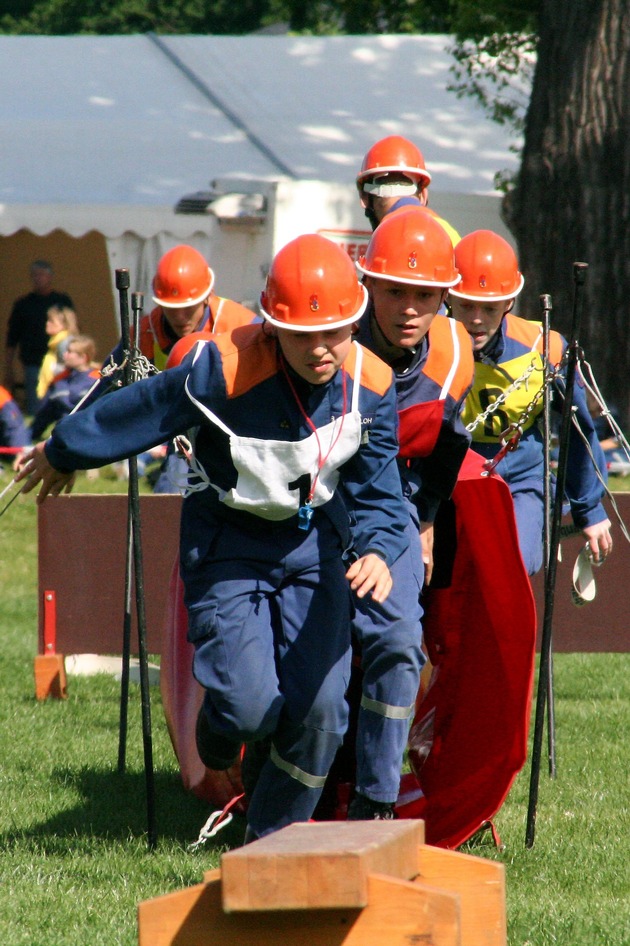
<point>26,335</point>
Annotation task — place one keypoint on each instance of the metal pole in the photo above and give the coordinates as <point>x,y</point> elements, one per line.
<point>545,301</point>
<point>143,660</point>
<point>134,567</point>
<point>579,275</point>
<point>122,285</point>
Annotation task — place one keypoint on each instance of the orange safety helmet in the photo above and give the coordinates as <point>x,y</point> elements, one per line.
<point>488,267</point>
<point>185,345</point>
<point>312,286</point>
<point>389,155</point>
<point>183,278</point>
<point>410,246</point>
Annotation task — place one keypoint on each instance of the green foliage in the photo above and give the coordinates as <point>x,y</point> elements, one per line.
<point>62,17</point>
<point>494,70</point>
<point>497,71</point>
<point>474,20</point>
<point>494,53</point>
<point>394,16</point>
<point>66,17</point>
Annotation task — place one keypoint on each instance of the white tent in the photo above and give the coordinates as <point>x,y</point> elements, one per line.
<point>106,134</point>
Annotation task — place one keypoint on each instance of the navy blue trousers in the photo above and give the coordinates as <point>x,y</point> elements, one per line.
<point>269,617</point>
<point>390,640</point>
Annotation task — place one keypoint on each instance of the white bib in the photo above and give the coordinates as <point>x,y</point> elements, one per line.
<point>270,473</point>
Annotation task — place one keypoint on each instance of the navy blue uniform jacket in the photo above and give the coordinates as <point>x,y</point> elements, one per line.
<point>238,377</point>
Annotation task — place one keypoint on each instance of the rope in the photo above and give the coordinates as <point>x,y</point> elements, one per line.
<point>511,436</point>
<point>598,472</point>
<point>592,388</point>
<point>13,498</point>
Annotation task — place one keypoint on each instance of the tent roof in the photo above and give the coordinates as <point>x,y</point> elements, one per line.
<point>110,129</point>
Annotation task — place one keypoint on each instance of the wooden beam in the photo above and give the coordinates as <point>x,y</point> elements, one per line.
<point>336,884</point>
<point>400,913</point>
<point>324,864</point>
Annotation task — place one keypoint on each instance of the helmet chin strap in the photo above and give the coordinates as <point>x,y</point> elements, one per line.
<point>369,213</point>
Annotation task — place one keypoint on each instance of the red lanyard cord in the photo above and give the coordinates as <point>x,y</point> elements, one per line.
<point>320,460</point>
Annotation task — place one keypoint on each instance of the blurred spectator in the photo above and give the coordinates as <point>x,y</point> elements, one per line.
<point>13,432</point>
<point>26,334</point>
<point>61,324</point>
<point>70,386</point>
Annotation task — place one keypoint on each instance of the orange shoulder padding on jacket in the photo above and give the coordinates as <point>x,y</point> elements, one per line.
<point>529,333</point>
<point>442,353</point>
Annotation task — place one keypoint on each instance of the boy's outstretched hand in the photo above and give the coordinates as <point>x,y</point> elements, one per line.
<point>370,573</point>
<point>599,540</point>
<point>35,468</point>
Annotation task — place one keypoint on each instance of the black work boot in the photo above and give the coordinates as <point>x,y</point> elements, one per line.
<point>362,808</point>
<point>215,751</point>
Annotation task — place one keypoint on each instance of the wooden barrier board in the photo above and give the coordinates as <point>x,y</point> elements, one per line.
<point>82,553</point>
<point>82,542</point>
<point>602,625</point>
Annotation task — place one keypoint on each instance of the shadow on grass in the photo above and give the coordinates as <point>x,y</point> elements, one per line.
<point>114,807</point>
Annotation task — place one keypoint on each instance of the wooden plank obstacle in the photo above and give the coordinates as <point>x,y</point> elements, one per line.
<point>358,883</point>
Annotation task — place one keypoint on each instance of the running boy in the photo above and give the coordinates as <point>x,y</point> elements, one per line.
<point>285,412</point>
<point>393,175</point>
<point>507,348</point>
<point>185,302</point>
<point>407,270</point>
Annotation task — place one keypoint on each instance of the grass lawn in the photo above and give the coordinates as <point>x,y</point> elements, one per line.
<point>74,861</point>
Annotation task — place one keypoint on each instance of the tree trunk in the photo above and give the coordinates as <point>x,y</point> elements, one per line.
<point>572,200</point>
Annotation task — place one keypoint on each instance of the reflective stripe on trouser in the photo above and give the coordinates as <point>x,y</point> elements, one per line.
<point>271,629</point>
<point>385,709</point>
<point>390,638</point>
<point>286,792</point>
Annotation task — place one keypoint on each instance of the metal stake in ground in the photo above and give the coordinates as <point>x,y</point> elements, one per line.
<point>134,554</point>
<point>122,284</point>
<point>136,304</point>
<point>545,302</point>
<point>579,275</point>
